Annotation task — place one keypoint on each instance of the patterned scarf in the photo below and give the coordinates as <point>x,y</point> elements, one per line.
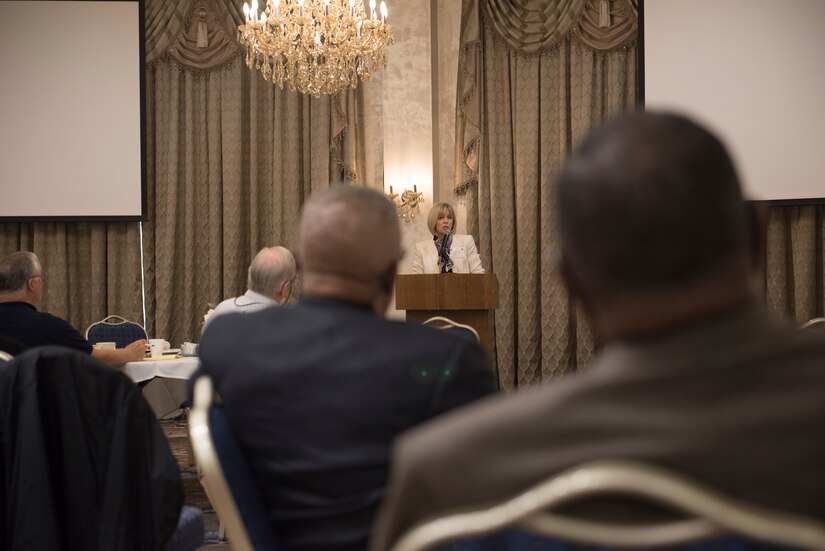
<point>445,263</point>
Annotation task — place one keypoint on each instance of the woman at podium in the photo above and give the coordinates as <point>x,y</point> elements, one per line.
<point>446,252</point>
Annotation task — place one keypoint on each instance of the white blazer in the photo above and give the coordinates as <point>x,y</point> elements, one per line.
<point>466,259</point>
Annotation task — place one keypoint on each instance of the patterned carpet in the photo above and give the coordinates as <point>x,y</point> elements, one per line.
<point>176,433</point>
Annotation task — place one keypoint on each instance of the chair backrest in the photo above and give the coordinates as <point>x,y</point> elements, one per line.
<point>710,516</point>
<point>441,322</point>
<point>225,473</point>
<point>814,323</point>
<point>115,329</point>
<point>83,461</point>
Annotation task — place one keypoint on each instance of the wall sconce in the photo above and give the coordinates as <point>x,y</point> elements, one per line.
<point>408,204</point>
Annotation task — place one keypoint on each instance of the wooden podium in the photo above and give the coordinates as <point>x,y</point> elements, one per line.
<point>470,299</point>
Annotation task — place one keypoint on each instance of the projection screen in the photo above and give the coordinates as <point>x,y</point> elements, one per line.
<point>754,71</point>
<point>71,110</point>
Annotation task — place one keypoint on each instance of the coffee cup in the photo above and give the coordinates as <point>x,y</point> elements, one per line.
<point>157,346</point>
<point>105,345</point>
<point>189,349</point>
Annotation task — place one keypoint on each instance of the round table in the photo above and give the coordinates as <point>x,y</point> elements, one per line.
<point>167,378</point>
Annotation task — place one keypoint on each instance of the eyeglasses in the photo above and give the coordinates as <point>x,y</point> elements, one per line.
<point>36,276</point>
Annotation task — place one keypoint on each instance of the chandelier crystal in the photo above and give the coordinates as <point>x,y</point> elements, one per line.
<point>316,46</point>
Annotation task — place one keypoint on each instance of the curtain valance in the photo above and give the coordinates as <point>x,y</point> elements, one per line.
<point>535,26</point>
<point>196,34</point>
<point>527,27</point>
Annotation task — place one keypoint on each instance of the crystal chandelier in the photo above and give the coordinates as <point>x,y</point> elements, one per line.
<point>315,46</point>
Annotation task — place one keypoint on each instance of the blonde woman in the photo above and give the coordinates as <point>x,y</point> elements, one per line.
<point>446,251</point>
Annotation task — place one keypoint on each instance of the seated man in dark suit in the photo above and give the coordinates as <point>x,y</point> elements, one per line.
<point>318,392</point>
<point>21,290</point>
<point>694,374</point>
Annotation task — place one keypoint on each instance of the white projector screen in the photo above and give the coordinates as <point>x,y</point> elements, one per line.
<point>754,72</point>
<point>71,115</point>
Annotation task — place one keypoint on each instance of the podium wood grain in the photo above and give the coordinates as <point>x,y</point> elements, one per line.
<point>470,299</point>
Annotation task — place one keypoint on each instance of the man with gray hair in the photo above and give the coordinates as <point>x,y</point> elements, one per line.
<point>317,393</point>
<point>21,290</point>
<point>269,283</point>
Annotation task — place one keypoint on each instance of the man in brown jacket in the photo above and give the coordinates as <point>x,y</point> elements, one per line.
<point>694,374</point>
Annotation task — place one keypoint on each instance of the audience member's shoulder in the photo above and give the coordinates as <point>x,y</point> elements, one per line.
<point>224,324</point>
<point>491,417</point>
<point>443,440</point>
<point>46,318</point>
<point>233,325</point>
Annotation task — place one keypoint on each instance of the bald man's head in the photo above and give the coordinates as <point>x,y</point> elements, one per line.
<point>349,243</point>
<point>271,270</point>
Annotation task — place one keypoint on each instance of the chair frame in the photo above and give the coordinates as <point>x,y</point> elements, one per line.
<point>447,323</point>
<point>209,465</point>
<point>715,514</point>
<point>812,322</point>
<point>114,320</point>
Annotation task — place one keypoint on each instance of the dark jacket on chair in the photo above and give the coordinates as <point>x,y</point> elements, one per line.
<point>83,462</point>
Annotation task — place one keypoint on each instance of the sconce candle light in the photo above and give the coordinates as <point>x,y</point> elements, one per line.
<point>408,204</point>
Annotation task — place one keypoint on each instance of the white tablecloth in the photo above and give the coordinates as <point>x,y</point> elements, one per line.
<point>166,389</point>
<point>178,368</point>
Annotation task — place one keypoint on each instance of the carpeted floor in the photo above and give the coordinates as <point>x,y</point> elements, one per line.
<point>176,433</point>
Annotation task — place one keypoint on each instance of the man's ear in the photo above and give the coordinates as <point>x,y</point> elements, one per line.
<point>381,299</point>
<point>285,291</point>
<point>387,279</point>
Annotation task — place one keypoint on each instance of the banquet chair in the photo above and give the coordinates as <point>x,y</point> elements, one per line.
<point>814,323</point>
<point>83,461</point>
<point>528,521</point>
<point>225,473</point>
<point>115,329</point>
<point>441,322</point>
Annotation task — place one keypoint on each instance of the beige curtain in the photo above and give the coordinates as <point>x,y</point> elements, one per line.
<point>231,158</point>
<point>794,278</point>
<point>574,64</point>
<point>91,269</point>
<point>534,77</point>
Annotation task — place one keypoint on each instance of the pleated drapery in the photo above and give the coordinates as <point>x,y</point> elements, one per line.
<point>230,160</point>
<point>534,77</point>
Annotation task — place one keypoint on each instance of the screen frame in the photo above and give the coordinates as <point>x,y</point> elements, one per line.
<point>640,102</point>
<point>141,67</point>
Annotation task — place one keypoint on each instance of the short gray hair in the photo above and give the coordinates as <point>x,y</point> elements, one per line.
<point>270,268</point>
<point>16,269</point>
<point>349,231</point>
